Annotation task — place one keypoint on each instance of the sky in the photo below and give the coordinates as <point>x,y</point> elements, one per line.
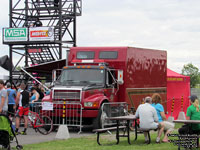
<point>171,25</point>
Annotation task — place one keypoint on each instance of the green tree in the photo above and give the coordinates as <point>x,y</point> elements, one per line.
<point>193,72</point>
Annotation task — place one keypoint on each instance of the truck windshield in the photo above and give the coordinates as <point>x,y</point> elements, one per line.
<point>82,77</point>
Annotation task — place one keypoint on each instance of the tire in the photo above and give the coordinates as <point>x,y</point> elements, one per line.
<point>7,147</point>
<point>19,147</point>
<point>45,125</point>
<point>100,121</point>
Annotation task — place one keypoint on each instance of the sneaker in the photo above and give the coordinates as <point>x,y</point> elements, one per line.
<point>17,133</point>
<point>157,140</point>
<point>23,133</point>
<point>146,142</point>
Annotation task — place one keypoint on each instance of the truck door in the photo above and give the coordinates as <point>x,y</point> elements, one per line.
<point>111,85</point>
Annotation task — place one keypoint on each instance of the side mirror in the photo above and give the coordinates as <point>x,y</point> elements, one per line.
<point>120,77</point>
<point>120,82</point>
<point>53,76</point>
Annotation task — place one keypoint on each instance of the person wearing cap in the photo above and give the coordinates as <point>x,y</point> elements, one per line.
<point>193,113</point>
<point>34,98</point>
<point>37,23</point>
<point>38,89</point>
<point>148,117</point>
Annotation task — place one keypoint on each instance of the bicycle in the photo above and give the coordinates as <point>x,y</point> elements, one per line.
<point>41,123</point>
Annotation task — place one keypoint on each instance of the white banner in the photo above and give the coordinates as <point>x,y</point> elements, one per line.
<point>47,106</point>
<point>41,34</point>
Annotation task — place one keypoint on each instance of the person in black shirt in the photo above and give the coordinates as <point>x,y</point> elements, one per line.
<point>56,3</point>
<point>37,23</point>
<point>22,100</point>
<point>39,91</point>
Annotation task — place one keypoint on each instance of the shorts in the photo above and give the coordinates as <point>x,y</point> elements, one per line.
<point>153,126</point>
<point>22,111</point>
<point>168,126</point>
<point>4,112</point>
<point>11,111</point>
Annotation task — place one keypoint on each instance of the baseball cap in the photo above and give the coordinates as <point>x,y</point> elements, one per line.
<point>193,98</point>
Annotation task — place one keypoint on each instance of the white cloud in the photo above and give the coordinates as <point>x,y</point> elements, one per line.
<point>172,25</point>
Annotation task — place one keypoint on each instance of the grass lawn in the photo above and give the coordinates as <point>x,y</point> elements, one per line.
<point>108,141</point>
<point>89,143</point>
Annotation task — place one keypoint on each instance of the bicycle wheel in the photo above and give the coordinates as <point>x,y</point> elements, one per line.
<point>44,124</point>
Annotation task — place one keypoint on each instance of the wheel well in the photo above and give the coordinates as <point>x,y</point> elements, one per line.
<point>104,101</point>
<point>96,121</point>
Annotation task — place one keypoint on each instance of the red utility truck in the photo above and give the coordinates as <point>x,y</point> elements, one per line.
<point>97,75</point>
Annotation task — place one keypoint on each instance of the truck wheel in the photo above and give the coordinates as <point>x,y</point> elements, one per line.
<point>100,120</point>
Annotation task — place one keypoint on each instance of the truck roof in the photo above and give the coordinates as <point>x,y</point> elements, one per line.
<point>110,55</point>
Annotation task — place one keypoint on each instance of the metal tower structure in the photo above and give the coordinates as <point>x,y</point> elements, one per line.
<point>57,17</point>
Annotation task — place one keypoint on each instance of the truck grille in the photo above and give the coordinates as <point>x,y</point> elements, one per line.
<point>68,95</point>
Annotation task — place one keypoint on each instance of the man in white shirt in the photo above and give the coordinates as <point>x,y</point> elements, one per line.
<point>148,117</point>
<point>3,99</point>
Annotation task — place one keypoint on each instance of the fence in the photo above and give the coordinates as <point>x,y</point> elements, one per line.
<point>66,113</point>
<point>113,110</point>
<point>70,113</point>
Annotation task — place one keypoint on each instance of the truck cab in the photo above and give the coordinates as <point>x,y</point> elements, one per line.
<point>91,85</point>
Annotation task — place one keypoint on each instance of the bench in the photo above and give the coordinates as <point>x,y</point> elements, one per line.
<point>99,131</point>
<point>142,130</point>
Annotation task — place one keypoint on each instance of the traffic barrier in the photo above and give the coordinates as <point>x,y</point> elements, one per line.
<point>181,115</point>
<point>171,118</point>
<point>61,112</point>
<point>63,133</point>
<point>113,109</point>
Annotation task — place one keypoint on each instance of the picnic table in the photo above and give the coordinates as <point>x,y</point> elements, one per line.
<point>188,122</point>
<point>124,122</point>
<point>127,120</point>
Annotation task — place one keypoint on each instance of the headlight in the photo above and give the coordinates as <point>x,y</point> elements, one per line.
<point>88,104</point>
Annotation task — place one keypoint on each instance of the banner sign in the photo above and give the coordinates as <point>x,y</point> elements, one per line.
<point>174,79</point>
<point>47,106</point>
<point>41,34</point>
<point>35,50</point>
<point>15,34</point>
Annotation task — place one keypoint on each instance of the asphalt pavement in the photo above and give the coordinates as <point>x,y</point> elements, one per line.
<point>33,137</point>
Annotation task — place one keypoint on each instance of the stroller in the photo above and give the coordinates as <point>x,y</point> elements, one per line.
<point>6,133</point>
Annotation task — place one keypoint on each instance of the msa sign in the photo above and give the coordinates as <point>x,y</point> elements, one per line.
<point>15,34</point>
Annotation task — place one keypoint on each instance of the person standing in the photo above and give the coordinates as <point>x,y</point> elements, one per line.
<point>56,3</point>
<point>39,91</point>
<point>37,23</point>
<point>11,100</point>
<point>3,99</point>
<point>148,117</point>
<point>22,100</point>
<point>34,98</point>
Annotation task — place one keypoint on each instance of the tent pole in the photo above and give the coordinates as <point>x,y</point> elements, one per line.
<point>10,68</point>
